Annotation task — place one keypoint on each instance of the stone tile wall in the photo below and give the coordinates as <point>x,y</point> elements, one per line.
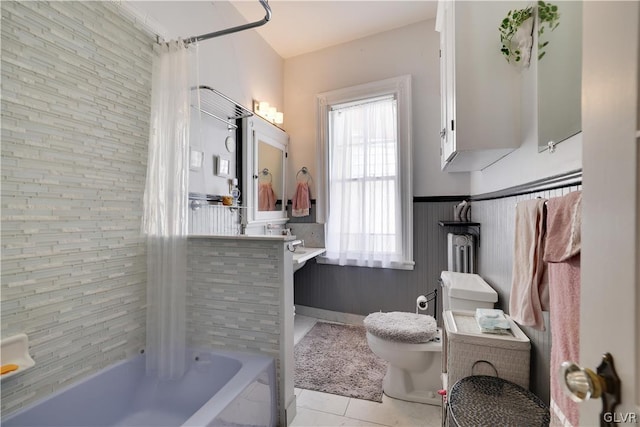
<point>76,84</point>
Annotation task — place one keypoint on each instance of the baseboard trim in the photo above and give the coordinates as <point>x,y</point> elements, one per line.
<point>291,411</point>
<point>331,316</point>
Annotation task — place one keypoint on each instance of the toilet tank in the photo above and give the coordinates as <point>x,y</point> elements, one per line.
<point>465,291</point>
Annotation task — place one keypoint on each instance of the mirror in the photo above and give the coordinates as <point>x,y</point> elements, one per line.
<point>270,179</point>
<point>264,173</point>
<point>560,77</point>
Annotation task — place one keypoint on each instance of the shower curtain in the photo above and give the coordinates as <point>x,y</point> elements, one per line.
<point>165,211</point>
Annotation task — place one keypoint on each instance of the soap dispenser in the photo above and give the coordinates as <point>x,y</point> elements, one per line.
<point>235,193</point>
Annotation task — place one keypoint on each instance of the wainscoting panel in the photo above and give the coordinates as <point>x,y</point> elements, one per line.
<point>364,290</point>
<point>360,290</point>
<point>495,259</point>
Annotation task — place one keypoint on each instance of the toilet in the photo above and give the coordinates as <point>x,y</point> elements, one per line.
<point>412,343</point>
<point>464,291</point>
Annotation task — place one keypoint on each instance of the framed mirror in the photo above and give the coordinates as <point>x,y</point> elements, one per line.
<point>270,174</point>
<point>559,76</point>
<point>265,172</point>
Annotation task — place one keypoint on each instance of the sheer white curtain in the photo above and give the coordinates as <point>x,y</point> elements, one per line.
<point>364,226</point>
<point>165,211</point>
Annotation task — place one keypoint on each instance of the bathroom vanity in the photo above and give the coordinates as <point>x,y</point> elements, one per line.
<point>241,262</point>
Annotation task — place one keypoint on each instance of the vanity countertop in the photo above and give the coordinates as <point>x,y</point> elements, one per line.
<point>303,254</point>
<point>244,237</point>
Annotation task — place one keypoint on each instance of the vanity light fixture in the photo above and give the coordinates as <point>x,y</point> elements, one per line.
<point>267,112</point>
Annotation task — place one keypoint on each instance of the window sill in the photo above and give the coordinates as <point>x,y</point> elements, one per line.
<point>401,265</point>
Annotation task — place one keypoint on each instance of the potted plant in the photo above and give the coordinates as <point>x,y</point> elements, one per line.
<point>548,16</point>
<point>516,32</point>
<point>516,36</point>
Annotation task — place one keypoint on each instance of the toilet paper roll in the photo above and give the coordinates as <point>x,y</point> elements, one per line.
<point>421,303</point>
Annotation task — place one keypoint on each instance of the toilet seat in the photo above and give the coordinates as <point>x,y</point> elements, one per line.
<point>402,327</point>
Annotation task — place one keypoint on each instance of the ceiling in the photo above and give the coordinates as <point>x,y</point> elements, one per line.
<point>302,26</point>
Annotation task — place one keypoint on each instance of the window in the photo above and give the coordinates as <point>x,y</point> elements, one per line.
<point>365,149</point>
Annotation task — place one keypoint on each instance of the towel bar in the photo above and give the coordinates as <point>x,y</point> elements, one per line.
<point>303,170</point>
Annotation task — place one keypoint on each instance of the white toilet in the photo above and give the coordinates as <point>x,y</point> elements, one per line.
<point>414,372</point>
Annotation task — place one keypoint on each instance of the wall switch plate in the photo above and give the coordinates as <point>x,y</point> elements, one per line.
<point>195,160</point>
<point>222,166</point>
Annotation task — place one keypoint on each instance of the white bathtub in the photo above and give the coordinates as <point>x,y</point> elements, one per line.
<point>218,389</point>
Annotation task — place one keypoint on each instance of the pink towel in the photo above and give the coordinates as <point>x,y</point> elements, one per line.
<point>529,291</point>
<point>301,202</point>
<point>563,227</point>
<point>562,252</point>
<point>266,197</point>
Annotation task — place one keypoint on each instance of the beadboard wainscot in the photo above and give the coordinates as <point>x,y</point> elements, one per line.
<point>496,212</point>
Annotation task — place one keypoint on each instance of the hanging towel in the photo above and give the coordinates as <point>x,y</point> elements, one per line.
<point>529,290</point>
<point>266,197</point>
<point>562,252</point>
<point>301,200</point>
<point>563,233</point>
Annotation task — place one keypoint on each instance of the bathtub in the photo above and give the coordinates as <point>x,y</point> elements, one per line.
<point>218,389</point>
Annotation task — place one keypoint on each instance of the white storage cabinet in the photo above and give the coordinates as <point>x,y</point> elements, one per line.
<point>480,92</point>
<point>465,345</point>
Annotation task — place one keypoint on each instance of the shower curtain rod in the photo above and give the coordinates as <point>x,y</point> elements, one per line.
<point>248,26</point>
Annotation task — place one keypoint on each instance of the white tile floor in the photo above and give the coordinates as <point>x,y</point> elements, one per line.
<point>322,409</point>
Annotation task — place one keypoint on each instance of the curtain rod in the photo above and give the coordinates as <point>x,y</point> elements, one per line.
<point>359,102</point>
<point>250,25</point>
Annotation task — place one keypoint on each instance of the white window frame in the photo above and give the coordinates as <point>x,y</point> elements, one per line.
<point>400,87</point>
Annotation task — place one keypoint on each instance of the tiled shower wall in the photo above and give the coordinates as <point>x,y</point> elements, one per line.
<point>496,264</point>
<point>236,291</point>
<point>76,82</point>
<point>233,294</point>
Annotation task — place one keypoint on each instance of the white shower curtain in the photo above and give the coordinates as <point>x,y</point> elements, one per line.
<point>165,211</point>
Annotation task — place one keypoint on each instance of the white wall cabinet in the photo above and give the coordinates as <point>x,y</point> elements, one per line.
<point>264,165</point>
<point>480,92</point>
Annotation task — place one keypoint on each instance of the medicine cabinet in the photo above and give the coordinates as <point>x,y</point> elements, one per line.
<point>559,78</point>
<point>264,166</point>
<point>479,90</point>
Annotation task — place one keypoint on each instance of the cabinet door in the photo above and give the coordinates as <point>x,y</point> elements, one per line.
<point>481,90</point>
<point>264,162</point>
<point>447,85</point>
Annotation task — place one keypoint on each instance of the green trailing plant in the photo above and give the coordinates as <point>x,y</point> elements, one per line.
<point>548,17</point>
<point>508,28</point>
